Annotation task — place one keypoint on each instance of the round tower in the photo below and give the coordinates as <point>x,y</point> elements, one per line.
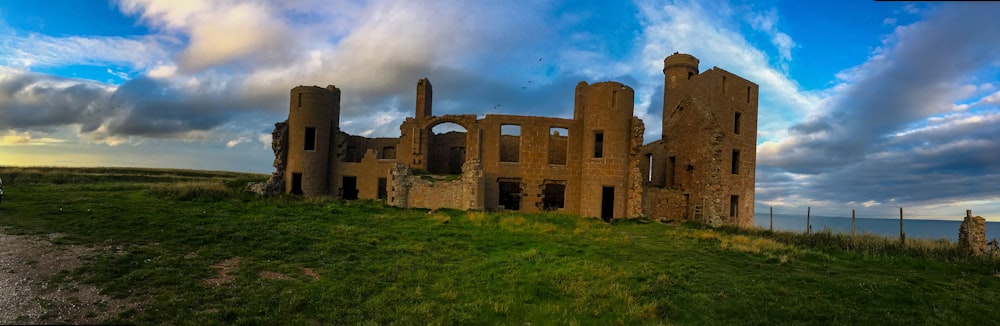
<point>606,109</point>
<point>313,120</point>
<point>678,68</point>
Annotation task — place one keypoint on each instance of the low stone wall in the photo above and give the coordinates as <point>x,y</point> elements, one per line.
<point>437,191</point>
<point>668,204</point>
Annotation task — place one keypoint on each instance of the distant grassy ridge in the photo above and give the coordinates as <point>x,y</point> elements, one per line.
<point>66,175</point>
<point>323,261</point>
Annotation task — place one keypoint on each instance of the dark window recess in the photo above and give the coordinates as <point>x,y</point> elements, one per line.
<point>350,188</point>
<point>383,188</point>
<point>553,196</point>
<point>748,94</point>
<point>300,100</point>
<point>599,145</point>
<point>510,194</point>
<point>724,90</point>
<point>671,167</point>
<point>736,123</point>
<point>614,98</point>
<point>388,153</point>
<point>456,157</point>
<point>690,74</point>
<point>734,206</point>
<point>736,161</point>
<point>310,139</point>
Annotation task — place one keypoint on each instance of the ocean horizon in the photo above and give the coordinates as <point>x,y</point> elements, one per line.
<point>888,227</point>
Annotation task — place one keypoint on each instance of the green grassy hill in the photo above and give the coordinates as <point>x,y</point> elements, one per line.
<point>194,249</point>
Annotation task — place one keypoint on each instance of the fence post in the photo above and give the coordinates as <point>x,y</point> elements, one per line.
<point>771,223</point>
<point>902,236</point>
<point>852,225</point>
<point>809,226</point>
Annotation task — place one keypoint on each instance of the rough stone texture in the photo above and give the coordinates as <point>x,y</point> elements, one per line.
<point>972,235</point>
<point>597,158</point>
<point>279,144</point>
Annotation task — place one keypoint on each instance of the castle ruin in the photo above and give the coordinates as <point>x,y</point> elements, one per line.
<point>595,164</point>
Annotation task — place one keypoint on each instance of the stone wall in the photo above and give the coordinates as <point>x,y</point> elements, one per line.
<point>972,235</point>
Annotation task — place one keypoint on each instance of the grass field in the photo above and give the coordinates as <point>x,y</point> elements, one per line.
<point>194,249</point>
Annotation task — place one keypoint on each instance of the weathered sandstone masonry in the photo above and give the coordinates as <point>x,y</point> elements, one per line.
<point>595,164</point>
<point>972,234</point>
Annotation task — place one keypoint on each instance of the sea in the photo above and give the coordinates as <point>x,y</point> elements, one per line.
<point>889,227</point>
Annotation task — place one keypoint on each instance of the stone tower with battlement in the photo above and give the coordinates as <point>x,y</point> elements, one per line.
<point>703,166</point>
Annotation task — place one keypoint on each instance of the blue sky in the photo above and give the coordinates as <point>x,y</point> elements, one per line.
<point>866,105</point>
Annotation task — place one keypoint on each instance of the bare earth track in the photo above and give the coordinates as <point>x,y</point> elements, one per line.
<point>27,295</point>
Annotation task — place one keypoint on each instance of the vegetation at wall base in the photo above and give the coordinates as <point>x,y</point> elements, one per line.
<point>195,249</point>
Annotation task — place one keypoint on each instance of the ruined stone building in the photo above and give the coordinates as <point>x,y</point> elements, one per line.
<point>595,164</point>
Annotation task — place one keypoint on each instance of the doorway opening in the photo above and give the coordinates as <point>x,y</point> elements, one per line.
<point>608,204</point>
<point>350,188</point>
<point>296,183</point>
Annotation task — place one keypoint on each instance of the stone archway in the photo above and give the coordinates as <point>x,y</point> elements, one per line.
<point>446,148</point>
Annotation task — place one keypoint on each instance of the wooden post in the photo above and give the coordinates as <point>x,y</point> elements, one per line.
<point>852,225</point>
<point>771,224</point>
<point>902,236</point>
<point>809,226</point>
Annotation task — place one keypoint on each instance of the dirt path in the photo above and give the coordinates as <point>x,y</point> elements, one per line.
<point>27,296</point>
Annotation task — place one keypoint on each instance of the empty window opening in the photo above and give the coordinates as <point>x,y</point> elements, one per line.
<point>736,123</point>
<point>649,159</point>
<point>748,94</point>
<point>349,190</point>
<point>383,188</point>
<point>690,74</point>
<point>510,193</point>
<point>296,183</point>
<point>388,153</point>
<point>310,140</point>
<point>614,98</point>
<point>734,206</point>
<point>446,149</point>
<point>510,143</point>
<point>736,161</point>
<point>599,144</point>
<point>558,145</point>
<point>607,203</point>
<point>554,195</point>
<point>724,91</point>
<point>300,100</point>
<point>353,154</point>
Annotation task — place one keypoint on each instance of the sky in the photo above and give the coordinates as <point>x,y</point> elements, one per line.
<point>863,105</point>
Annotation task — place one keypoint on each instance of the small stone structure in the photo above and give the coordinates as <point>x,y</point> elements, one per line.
<point>595,164</point>
<point>972,234</point>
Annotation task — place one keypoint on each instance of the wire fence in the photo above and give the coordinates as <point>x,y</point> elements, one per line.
<point>896,224</point>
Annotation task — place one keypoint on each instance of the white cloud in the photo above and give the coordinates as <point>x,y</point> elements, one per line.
<point>237,141</point>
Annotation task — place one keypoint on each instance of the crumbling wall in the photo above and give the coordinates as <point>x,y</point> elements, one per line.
<point>972,235</point>
<point>279,144</point>
<point>437,191</point>
<point>633,199</point>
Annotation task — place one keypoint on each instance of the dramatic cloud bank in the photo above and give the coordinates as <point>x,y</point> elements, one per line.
<point>914,123</point>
